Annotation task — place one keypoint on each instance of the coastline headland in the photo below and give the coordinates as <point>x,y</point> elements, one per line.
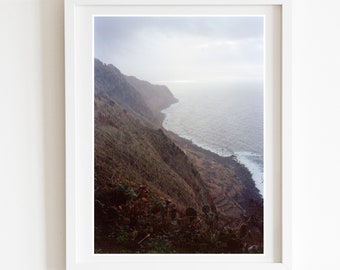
<point>150,180</point>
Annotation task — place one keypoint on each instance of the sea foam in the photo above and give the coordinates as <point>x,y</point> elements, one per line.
<point>224,119</point>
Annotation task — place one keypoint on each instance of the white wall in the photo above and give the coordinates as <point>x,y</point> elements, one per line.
<point>32,193</point>
<point>32,230</point>
<point>316,134</point>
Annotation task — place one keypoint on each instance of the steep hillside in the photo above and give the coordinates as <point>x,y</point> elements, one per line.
<point>144,99</point>
<point>157,97</point>
<point>126,149</point>
<point>111,83</point>
<point>229,183</point>
<point>151,184</point>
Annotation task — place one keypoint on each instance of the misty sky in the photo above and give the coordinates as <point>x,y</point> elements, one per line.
<point>182,49</point>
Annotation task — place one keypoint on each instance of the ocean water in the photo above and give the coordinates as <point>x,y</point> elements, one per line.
<point>226,119</point>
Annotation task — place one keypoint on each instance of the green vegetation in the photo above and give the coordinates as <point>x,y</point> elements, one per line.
<point>132,218</point>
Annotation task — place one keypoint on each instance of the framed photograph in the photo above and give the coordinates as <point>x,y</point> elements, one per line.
<point>178,134</point>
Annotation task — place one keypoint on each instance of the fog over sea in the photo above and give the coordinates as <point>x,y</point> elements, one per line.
<point>226,119</point>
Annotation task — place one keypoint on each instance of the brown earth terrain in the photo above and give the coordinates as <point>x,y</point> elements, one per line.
<point>157,192</point>
<point>229,183</point>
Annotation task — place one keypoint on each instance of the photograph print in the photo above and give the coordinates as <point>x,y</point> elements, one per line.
<point>178,143</point>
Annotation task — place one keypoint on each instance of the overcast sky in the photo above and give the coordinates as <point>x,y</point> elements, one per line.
<point>182,49</point>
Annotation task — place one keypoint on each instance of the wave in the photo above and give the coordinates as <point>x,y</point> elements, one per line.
<point>221,122</point>
<point>253,163</point>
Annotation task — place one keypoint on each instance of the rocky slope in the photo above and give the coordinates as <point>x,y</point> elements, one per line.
<point>127,149</point>
<point>157,97</point>
<point>151,182</point>
<point>111,84</point>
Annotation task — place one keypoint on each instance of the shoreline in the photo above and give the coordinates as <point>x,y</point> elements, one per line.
<point>248,149</point>
<point>229,182</point>
<point>259,183</point>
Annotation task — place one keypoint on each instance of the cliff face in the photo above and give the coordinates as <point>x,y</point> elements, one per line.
<point>112,84</point>
<point>127,149</point>
<point>141,98</point>
<point>157,97</point>
<point>130,145</point>
<point>151,182</point>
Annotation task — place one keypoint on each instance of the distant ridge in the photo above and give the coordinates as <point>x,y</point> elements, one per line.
<point>157,97</point>
<point>140,97</point>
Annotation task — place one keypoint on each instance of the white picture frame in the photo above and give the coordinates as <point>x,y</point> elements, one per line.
<point>79,76</point>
